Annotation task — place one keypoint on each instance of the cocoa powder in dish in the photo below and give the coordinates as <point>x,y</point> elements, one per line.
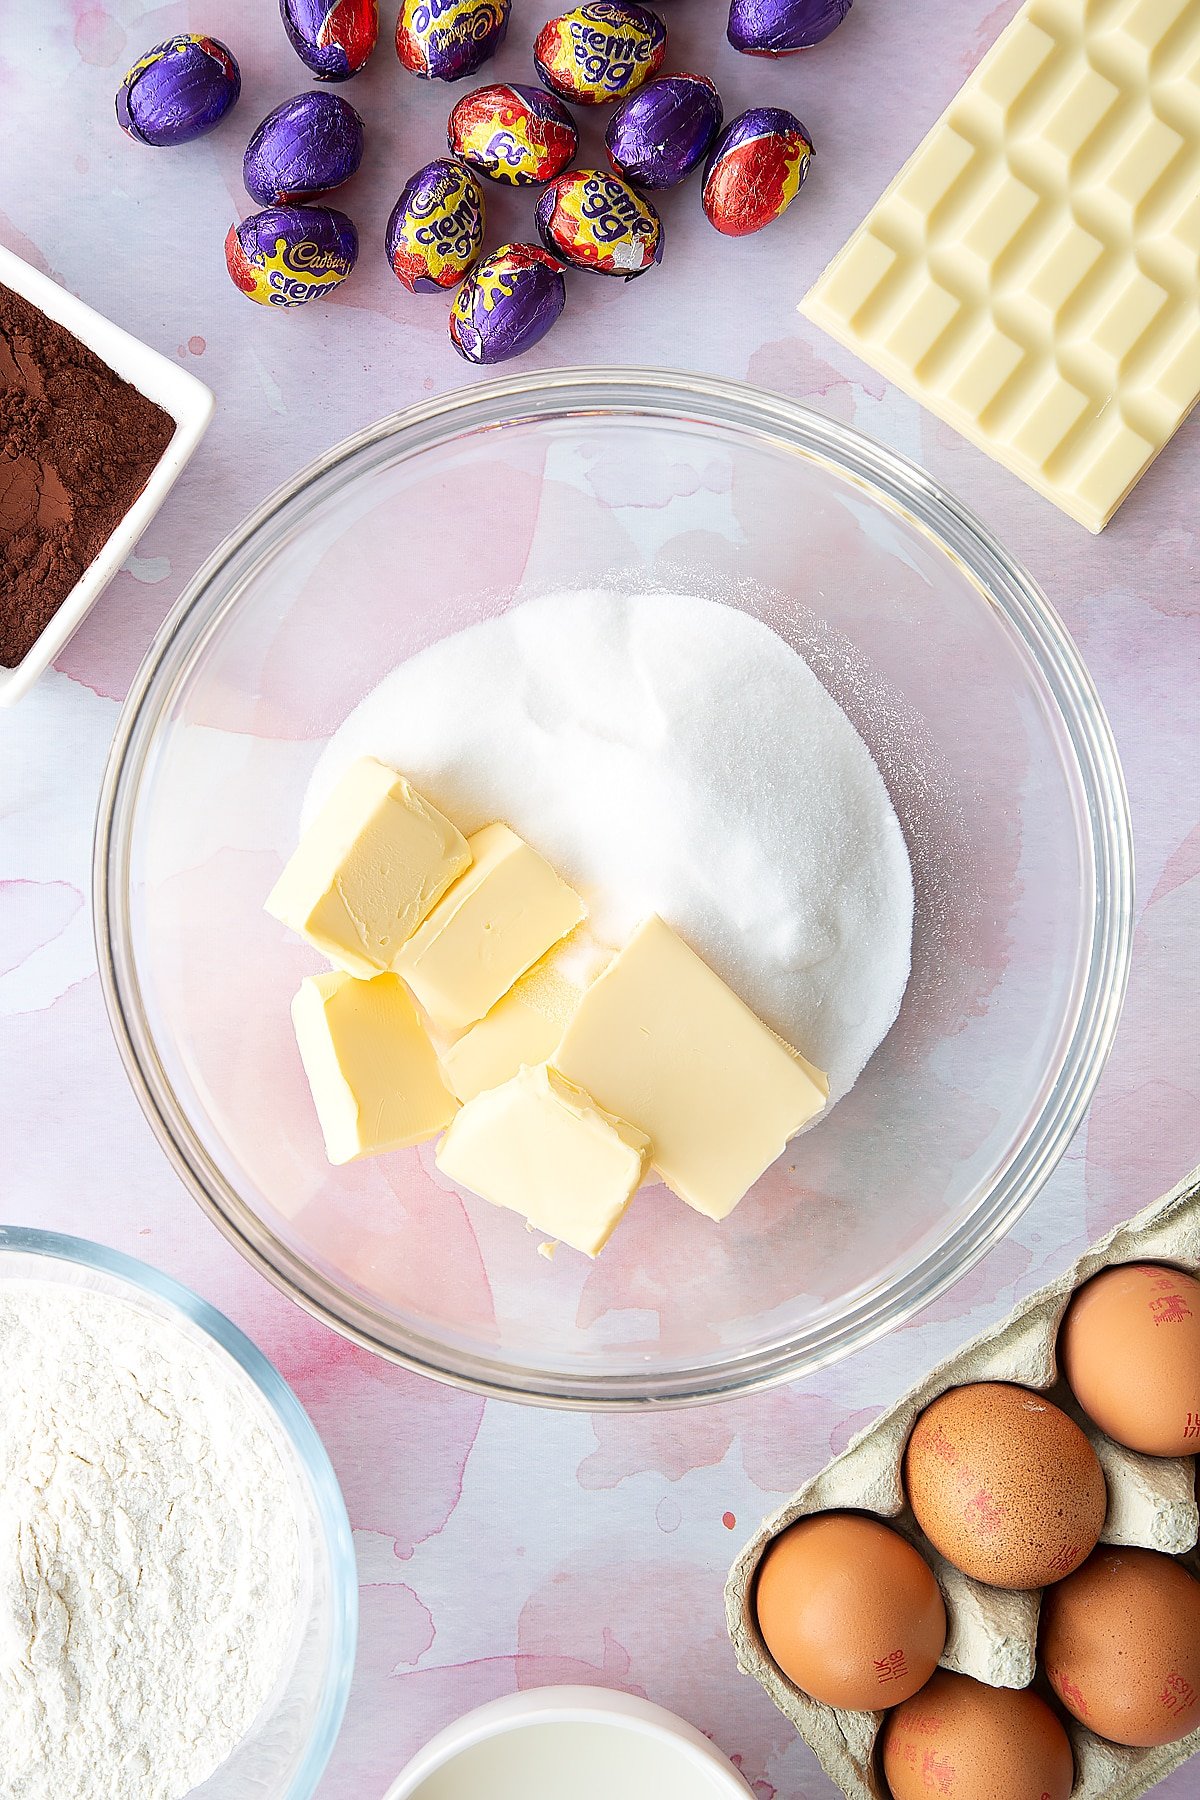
<point>77,446</point>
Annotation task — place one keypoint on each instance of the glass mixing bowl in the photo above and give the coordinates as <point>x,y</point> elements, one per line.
<point>946,657</point>
<point>283,1755</point>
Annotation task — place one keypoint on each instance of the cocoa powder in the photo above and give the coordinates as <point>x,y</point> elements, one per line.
<point>77,446</point>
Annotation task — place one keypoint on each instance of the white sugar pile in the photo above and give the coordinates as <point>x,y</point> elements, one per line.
<point>668,754</point>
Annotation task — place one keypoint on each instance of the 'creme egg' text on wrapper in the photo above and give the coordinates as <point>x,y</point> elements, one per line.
<point>289,255</point>
<point>756,169</point>
<point>333,38</point>
<point>596,221</point>
<point>178,91</point>
<point>660,134</point>
<point>435,233</point>
<point>512,133</point>
<point>600,52</point>
<point>445,40</point>
<point>305,147</point>
<point>508,302</point>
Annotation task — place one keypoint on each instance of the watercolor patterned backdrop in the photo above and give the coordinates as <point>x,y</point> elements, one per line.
<point>498,1547</point>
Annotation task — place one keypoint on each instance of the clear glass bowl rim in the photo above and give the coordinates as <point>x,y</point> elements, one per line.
<point>300,1432</point>
<point>900,486</point>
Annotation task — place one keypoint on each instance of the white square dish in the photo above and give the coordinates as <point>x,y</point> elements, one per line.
<point>188,402</point>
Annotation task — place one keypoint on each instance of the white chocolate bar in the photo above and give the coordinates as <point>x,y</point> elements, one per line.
<point>1032,275</point>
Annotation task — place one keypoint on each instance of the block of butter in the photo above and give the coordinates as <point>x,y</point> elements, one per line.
<point>540,1146</point>
<point>522,1029</point>
<point>374,1074</point>
<point>1032,275</point>
<point>661,1041</point>
<point>492,925</point>
<point>372,864</point>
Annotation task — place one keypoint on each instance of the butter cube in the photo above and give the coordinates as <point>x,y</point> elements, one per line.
<point>493,924</point>
<point>541,1147</point>
<point>374,1074</point>
<point>372,864</point>
<point>522,1029</point>
<point>660,1040</point>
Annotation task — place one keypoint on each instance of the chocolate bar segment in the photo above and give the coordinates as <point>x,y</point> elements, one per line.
<point>1032,275</point>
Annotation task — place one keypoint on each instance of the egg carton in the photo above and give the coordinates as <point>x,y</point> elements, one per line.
<point>992,1632</point>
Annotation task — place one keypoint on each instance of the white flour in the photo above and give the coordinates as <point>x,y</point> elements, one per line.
<point>668,754</point>
<point>149,1552</point>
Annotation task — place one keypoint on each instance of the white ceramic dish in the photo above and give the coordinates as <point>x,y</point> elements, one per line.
<point>188,402</point>
<point>708,1775</point>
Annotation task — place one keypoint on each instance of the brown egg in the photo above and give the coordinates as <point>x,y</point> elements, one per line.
<point>1120,1643</point>
<point>850,1611</point>
<point>1130,1349</point>
<point>1004,1485</point>
<point>960,1740</point>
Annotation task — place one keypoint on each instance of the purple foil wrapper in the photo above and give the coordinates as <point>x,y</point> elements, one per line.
<point>507,304</point>
<point>307,146</point>
<point>435,233</point>
<point>333,38</point>
<point>445,40</point>
<point>781,27</point>
<point>659,135</point>
<point>178,91</point>
<point>289,255</point>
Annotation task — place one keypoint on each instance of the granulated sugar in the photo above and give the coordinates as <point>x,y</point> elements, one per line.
<point>669,754</point>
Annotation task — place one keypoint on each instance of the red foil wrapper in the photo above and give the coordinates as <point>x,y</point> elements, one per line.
<point>515,134</point>
<point>755,171</point>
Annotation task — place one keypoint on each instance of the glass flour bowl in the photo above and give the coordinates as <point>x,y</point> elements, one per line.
<point>955,671</point>
<point>284,1754</point>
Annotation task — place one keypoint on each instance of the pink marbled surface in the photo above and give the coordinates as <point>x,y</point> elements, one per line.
<point>501,1547</point>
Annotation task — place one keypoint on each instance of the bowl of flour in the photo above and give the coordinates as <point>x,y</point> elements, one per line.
<point>716,658</point>
<point>177,1595</point>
